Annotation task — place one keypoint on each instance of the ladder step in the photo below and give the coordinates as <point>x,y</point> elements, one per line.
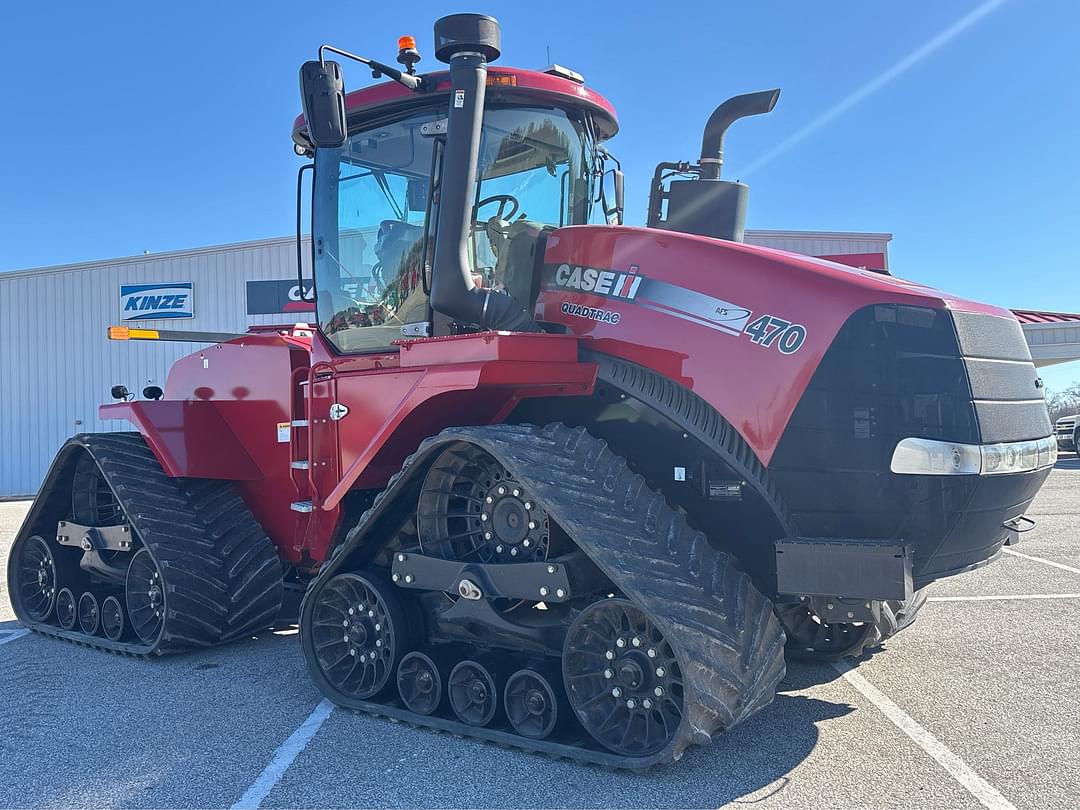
<point>299,423</point>
<point>301,506</point>
<point>302,464</point>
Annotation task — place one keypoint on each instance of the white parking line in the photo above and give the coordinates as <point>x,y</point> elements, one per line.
<point>1018,597</point>
<point>983,791</point>
<point>1062,566</point>
<point>284,757</point>
<point>11,635</point>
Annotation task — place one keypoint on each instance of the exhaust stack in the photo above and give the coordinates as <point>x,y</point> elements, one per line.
<point>707,205</point>
<point>467,42</point>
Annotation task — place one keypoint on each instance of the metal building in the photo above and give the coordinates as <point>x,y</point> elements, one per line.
<point>56,365</point>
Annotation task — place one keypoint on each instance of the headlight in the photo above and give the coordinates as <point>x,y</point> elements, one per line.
<point>914,456</point>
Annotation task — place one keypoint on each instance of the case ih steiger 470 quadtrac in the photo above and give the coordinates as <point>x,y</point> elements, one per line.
<point>565,486</point>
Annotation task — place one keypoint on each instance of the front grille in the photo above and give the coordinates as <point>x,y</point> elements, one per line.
<point>1009,405</point>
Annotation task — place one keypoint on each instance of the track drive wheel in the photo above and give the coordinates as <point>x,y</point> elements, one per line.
<point>812,639</point>
<point>358,634</point>
<point>36,571</point>
<point>623,678</point>
<point>419,683</point>
<point>531,704</point>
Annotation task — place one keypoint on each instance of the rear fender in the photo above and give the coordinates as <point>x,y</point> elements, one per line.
<point>190,438</point>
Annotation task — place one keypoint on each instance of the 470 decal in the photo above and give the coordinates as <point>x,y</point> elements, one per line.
<point>768,330</point>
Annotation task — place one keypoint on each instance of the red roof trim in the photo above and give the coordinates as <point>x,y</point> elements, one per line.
<point>1032,316</point>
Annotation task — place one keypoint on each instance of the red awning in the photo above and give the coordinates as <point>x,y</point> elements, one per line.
<point>1030,316</point>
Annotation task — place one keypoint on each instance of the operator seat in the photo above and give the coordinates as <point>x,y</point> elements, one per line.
<point>520,248</point>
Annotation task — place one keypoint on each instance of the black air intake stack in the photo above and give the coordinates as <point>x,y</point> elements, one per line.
<point>707,205</point>
<point>467,42</point>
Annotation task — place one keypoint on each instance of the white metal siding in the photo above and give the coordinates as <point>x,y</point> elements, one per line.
<point>822,243</point>
<point>56,365</point>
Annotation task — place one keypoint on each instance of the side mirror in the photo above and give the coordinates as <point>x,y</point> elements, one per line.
<point>322,95</point>
<point>611,196</point>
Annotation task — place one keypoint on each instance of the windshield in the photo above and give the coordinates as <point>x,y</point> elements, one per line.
<point>535,172</point>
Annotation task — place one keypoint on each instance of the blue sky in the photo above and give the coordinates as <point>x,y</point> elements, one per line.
<point>952,124</point>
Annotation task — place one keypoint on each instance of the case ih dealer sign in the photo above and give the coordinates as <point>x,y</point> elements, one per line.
<point>144,302</point>
<point>272,297</point>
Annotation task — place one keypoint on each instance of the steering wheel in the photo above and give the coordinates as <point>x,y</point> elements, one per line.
<point>503,200</point>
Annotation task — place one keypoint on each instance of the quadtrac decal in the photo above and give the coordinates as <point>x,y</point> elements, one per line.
<point>144,302</point>
<point>670,299</point>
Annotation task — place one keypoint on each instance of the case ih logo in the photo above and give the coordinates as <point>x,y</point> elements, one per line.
<point>272,297</point>
<point>144,302</point>
<point>599,282</point>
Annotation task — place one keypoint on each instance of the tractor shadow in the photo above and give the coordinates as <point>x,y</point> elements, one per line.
<point>751,764</point>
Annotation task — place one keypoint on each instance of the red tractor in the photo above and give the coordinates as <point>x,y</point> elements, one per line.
<point>541,478</point>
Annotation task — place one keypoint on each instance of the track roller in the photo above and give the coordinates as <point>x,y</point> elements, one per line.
<point>66,609</point>
<point>89,614</point>
<point>359,634</point>
<point>36,572</point>
<point>623,678</point>
<point>474,697</point>
<point>419,683</point>
<point>112,618</point>
<point>531,704</point>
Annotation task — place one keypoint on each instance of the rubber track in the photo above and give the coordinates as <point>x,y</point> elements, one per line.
<point>222,574</point>
<point>722,627</point>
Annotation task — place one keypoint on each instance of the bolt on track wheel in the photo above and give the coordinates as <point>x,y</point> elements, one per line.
<point>471,509</point>
<point>36,572</point>
<point>419,683</point>
<point>809,636</point>
<point>112,618</point>
<point>66,609</point>
<point>358,634</point>
<point>473,694</point>
<point>92,501</point>
<point>145,595</point>
<point>623,678</point>
<point>89,614</point>
<point>531,705</point>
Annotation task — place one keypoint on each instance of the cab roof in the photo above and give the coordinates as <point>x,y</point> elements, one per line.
<point>503,84</point>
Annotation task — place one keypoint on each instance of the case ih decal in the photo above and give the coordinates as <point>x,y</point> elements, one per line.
<point>670,299</point>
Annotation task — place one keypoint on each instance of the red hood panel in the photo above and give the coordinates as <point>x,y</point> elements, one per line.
<point>743,326</point>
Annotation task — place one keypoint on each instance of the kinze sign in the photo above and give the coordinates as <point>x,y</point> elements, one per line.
<point>144,302</point>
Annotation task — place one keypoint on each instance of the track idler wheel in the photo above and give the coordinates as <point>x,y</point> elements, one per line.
<point>66,609</point>
<point>145,595</point>
<point>623,678</point>
<point>112,619</point>
<point>359,633</point>
<point>531,704</point>
<point>36,572</point>
<point>419,683</point>
<point>89,614</point>
<point>474,696</point>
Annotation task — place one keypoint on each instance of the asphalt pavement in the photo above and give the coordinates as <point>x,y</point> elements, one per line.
<point>975,705</point>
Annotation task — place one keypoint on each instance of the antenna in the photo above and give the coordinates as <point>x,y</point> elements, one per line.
<point>548,49</point>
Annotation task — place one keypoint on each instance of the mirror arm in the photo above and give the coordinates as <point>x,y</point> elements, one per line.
<point>417,83</point>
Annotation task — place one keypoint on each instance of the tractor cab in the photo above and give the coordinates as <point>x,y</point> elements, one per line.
<point>383,198</point>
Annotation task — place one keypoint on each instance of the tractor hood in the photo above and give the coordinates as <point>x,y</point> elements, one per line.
<point>677,302</point>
